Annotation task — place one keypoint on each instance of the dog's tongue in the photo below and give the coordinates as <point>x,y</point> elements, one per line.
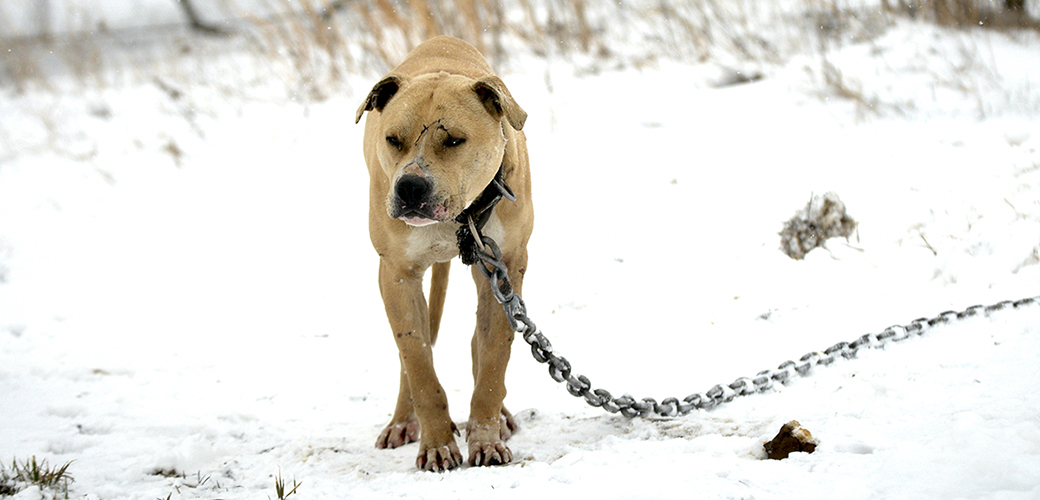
<point>418,221</point>
<point>419,218</point>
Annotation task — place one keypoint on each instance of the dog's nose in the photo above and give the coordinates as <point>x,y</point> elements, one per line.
<point>412,190</point>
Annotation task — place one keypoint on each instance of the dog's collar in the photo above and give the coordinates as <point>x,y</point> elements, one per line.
<point>477,214</point>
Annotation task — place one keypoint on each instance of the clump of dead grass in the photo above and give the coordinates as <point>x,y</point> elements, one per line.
<point>822,218</point>
<point>312,45</point>
<point>1002,15</point>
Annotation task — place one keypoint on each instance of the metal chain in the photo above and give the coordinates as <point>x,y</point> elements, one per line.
<point>492,267</point>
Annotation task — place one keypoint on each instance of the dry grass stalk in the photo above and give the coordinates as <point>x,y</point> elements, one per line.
<point>320,41</point>
<point>1001,15</point>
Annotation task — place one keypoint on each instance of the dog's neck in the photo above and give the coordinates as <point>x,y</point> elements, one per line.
<point>479,212</point>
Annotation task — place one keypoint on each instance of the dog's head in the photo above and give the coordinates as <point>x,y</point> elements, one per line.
<point>441,141</point>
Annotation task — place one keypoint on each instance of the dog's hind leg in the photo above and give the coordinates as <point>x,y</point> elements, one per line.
<point>438,289</point>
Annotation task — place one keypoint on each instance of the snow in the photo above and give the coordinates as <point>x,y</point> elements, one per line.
<point>188,286</point>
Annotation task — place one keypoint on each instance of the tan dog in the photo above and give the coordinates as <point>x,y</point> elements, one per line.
<point>440,127</point>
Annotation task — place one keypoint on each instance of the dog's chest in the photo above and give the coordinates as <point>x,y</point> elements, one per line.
<point>438,243</point>
<point>433,243</point>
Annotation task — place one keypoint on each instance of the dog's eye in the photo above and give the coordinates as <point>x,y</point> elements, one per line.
<point>452,142</point>
<point>393,142</point>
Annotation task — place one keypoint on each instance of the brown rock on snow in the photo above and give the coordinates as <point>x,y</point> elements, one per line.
<point>792,438</point>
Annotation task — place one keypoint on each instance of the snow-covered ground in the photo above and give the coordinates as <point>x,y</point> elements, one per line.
<point>188,300</point>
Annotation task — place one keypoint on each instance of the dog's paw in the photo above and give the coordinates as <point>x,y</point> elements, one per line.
<point>486,443</point>
<point>484,453</point>
<point>439,459</point>
<point>395,435</point>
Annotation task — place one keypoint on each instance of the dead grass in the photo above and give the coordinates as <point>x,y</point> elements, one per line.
<point>312,45</point>
<point>19,66</point>
<point>309,42</point>
<point>1001,14</point>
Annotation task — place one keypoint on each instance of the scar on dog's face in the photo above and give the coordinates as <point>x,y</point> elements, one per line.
<point>442,144</point>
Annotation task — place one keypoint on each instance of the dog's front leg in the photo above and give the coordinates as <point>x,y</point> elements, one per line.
<point>401,288</point>
<point>403,427</point>
<point>490,424</point>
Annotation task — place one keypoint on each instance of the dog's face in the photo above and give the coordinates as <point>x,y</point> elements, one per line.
<point>441,141</point>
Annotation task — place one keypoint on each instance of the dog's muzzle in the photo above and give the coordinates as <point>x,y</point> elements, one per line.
<point>413,201</point>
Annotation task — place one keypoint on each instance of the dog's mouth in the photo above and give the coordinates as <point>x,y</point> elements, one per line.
<point>416,220</point>
<point>423,214</point>
<point>424,211</point>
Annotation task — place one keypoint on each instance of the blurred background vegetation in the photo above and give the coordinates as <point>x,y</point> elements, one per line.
<point>314,46</point>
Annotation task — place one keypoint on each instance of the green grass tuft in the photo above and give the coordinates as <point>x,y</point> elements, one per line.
<point>33,473</point>
<point>279,487</point>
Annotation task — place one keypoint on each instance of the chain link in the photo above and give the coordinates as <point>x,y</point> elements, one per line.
<point>492,267</point>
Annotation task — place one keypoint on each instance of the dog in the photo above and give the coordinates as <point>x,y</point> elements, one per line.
<point>441,127</point>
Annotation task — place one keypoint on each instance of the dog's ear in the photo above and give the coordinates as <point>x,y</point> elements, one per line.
<point>380,95</point>
<point>496,98</point>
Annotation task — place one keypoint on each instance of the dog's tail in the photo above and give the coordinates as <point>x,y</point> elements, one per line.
<point>438,289</point>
